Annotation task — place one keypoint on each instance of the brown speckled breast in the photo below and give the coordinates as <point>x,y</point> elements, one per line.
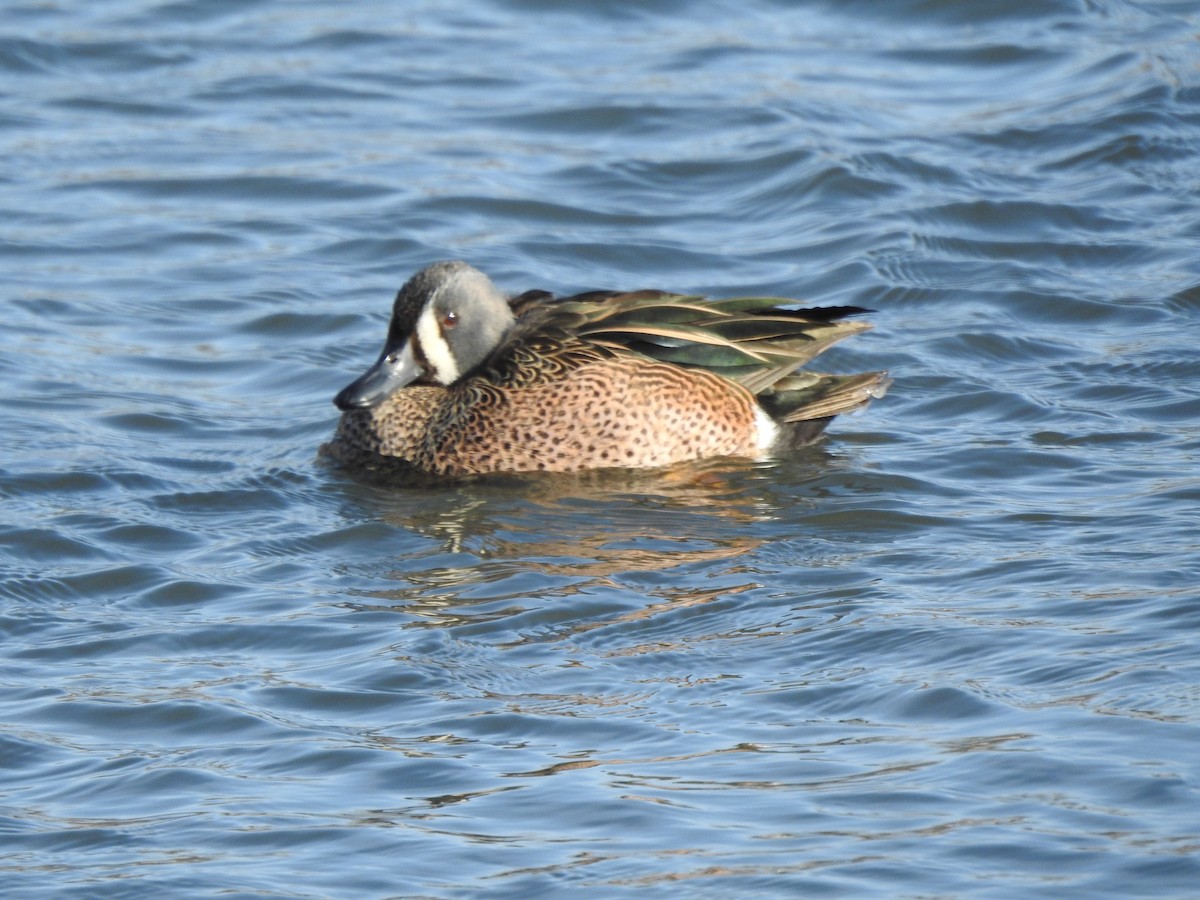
<point>614,412</point>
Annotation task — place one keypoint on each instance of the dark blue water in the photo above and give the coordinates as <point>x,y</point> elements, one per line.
<point>952,651</point>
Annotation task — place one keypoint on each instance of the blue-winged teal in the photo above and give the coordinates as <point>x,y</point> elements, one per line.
<point>471,382</point>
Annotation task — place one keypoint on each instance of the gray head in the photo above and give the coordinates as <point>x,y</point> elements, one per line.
<point>446,320</point>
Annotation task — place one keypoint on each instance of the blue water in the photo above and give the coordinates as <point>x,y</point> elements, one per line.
<point>951,651</point>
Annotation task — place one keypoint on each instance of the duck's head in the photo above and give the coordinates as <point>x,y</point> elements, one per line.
<point>446,320</point>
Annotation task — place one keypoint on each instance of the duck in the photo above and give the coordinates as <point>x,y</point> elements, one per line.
<point>472,382</point>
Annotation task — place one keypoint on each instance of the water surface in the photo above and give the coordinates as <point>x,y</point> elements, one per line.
<point>950,651</point>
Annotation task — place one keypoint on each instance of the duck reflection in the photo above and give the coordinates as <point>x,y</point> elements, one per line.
<point>529,539</point>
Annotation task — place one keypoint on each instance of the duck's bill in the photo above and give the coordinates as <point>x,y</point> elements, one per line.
<point>395,368</point>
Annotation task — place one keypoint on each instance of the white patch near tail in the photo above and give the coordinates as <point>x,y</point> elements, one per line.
<point>437,353</point>
<point>766,432</point>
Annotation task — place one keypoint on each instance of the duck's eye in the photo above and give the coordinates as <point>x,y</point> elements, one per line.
<point>449,319</point>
